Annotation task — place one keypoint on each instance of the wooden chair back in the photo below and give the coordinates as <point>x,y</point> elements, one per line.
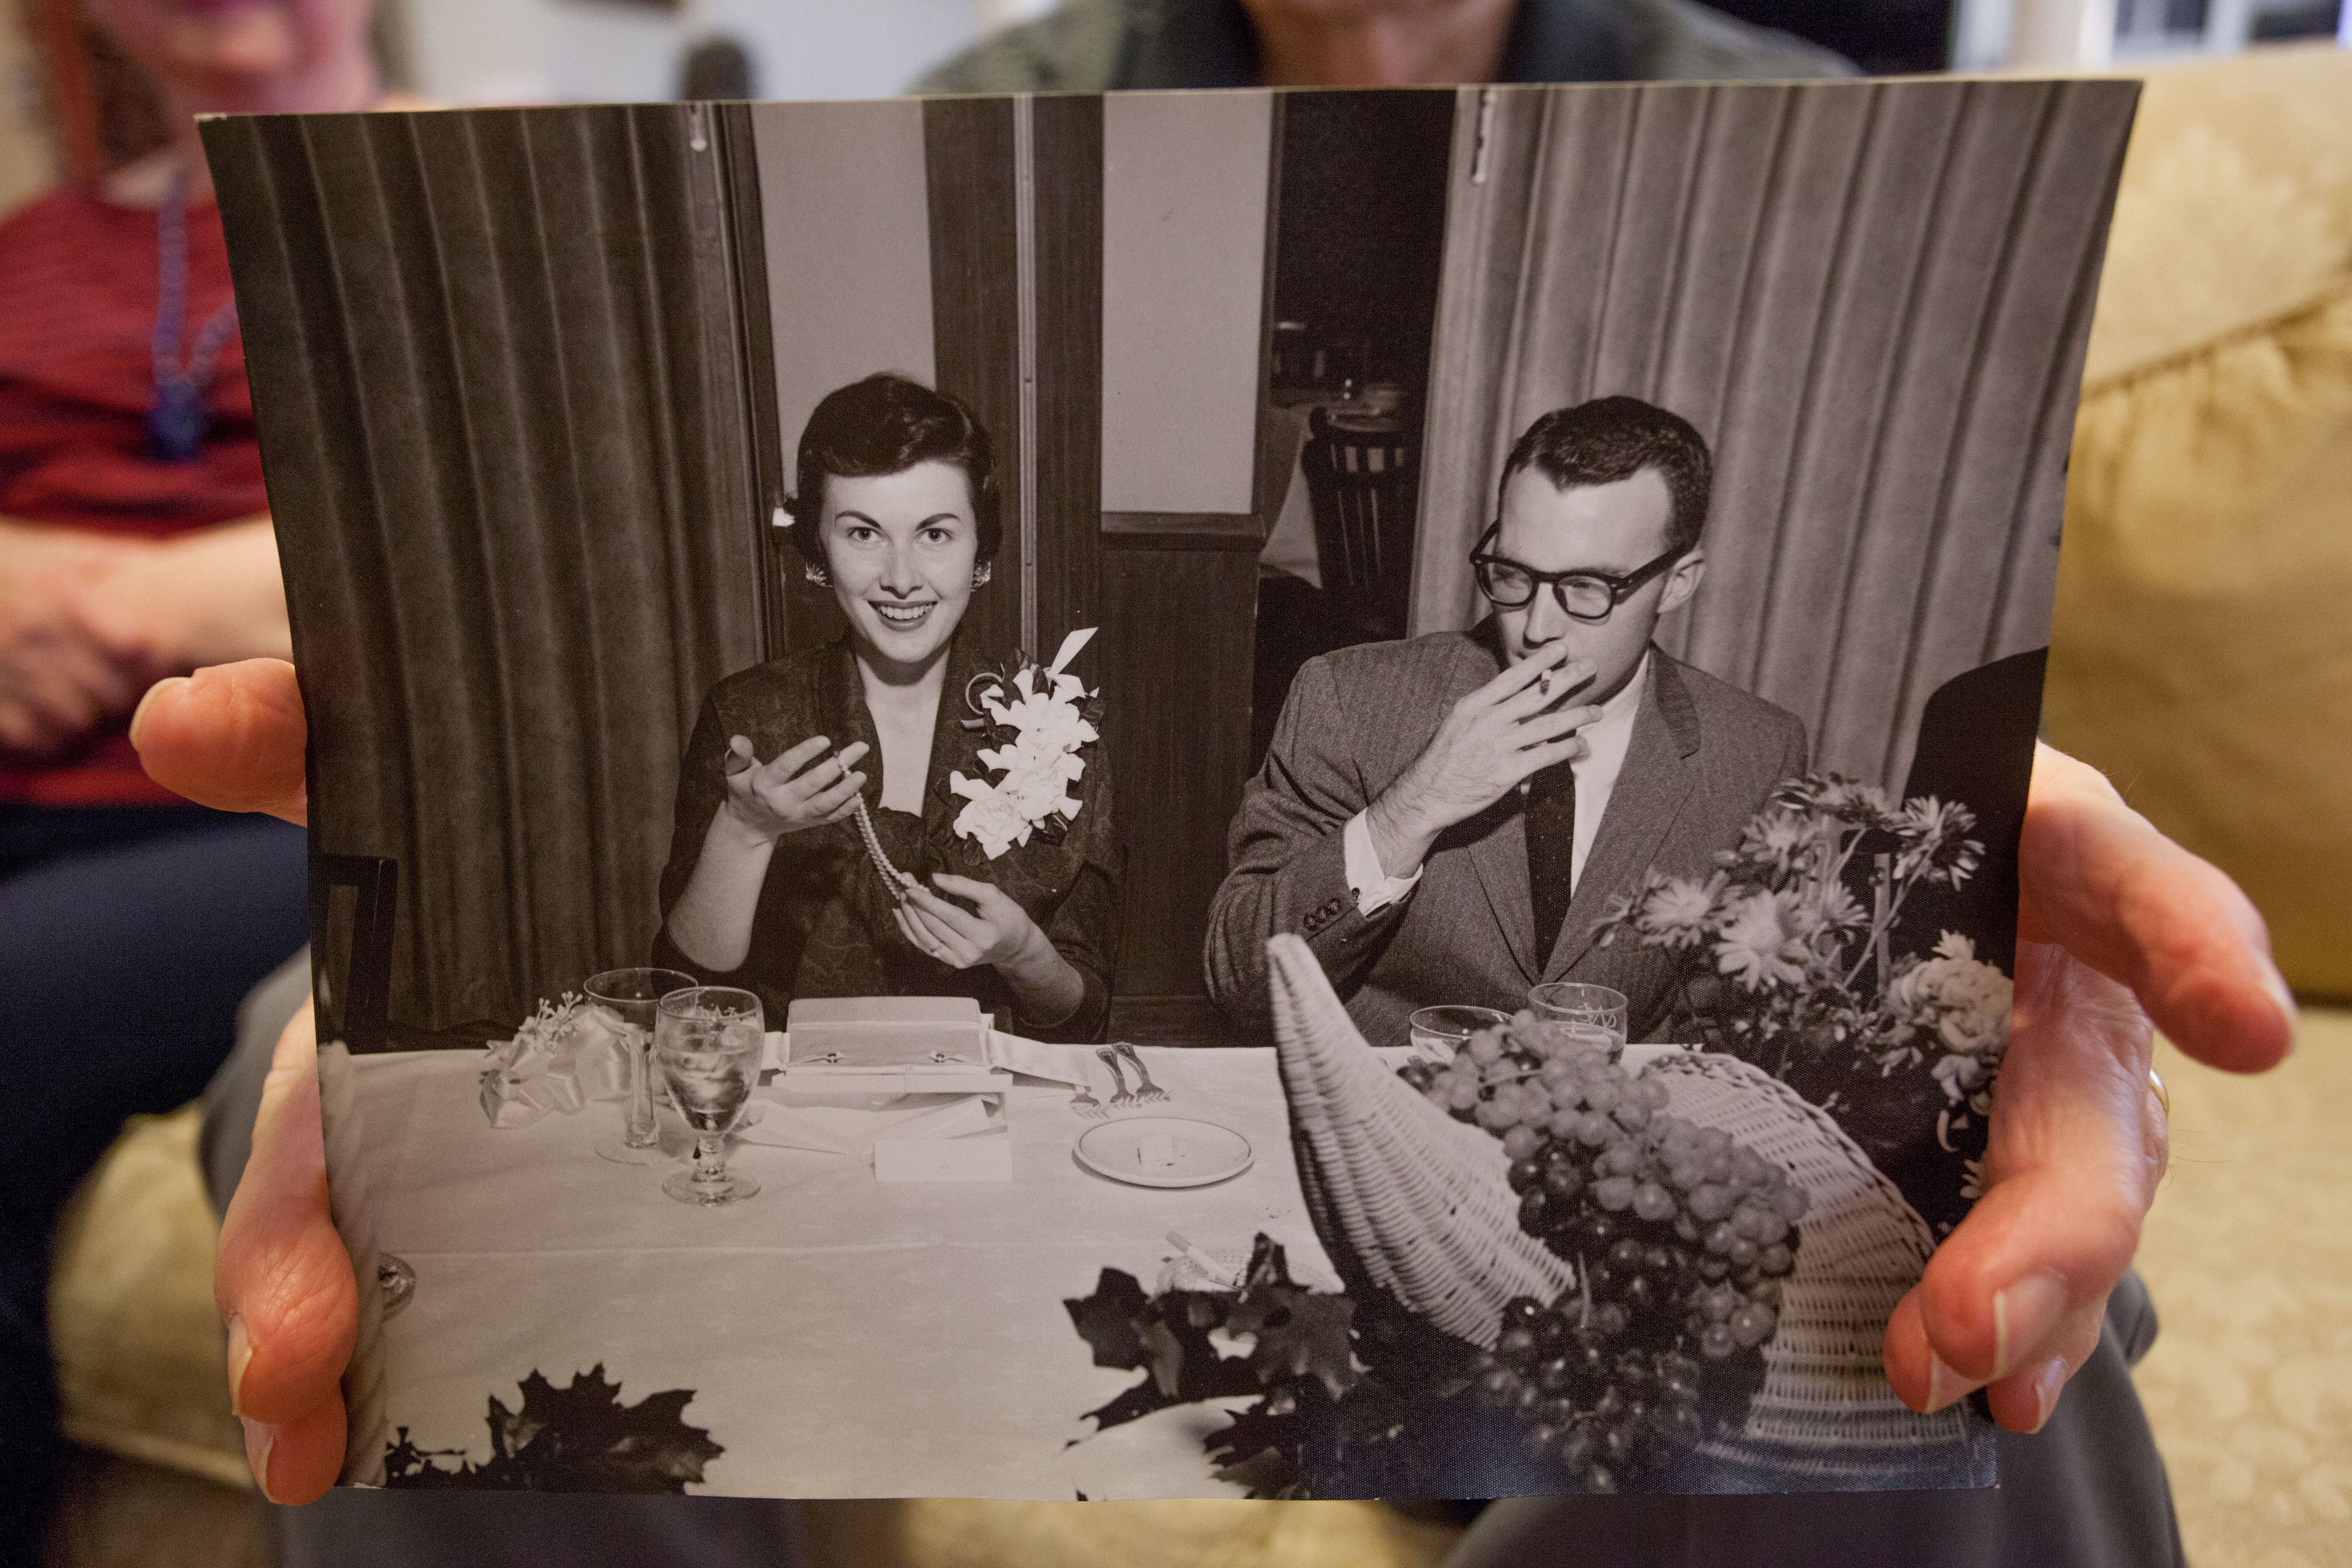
<point>1363,487</point>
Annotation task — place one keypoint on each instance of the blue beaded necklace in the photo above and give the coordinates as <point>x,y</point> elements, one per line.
<point>177,421</point>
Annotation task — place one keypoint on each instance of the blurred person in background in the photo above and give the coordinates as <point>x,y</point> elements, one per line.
<point>1096,45</point>
<point>718,68</point>
<point>2127,926</point>
<point>134,545</point>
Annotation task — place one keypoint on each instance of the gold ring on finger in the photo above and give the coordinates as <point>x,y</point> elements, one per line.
<point>2163,1095</point>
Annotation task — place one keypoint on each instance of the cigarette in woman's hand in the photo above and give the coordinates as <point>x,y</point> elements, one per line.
<point>739,756</point>
<point>1543,683</point>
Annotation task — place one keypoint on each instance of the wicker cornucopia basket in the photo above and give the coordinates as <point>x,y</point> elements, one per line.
<point>1409,1200</point>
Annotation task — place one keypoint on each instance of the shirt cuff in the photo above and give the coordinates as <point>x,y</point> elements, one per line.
<point>1374,889</point>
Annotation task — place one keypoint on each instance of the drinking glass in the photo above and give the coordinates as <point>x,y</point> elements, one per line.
<point>707,1042</point>
<point>1593,1009</point>
<point>630,995</point>
<point>1439,1032</point>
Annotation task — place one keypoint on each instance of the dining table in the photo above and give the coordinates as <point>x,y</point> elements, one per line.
<point>842,1336</point>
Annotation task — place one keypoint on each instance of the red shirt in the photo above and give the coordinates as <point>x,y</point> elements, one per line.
<point>78,295</point>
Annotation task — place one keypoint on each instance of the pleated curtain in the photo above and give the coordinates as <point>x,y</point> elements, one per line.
<point>502,414</point>
<point>1872,299</point>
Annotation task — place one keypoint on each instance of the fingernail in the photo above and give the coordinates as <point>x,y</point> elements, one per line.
<point>2022,1316</point>
<point>240,1354</point>
<point>259,1440</point>
<point>2047,1384</point>
<point>2276,984</point>
<point>140,712</point>
<point>1945,1386</point>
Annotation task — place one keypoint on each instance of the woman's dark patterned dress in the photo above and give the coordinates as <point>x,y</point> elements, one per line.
<point>823,926</point>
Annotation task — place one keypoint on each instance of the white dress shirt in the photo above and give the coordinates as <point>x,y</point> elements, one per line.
<point>1605,739</point>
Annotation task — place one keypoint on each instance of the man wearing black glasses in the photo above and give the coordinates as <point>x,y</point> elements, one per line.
<point>1444,819</point>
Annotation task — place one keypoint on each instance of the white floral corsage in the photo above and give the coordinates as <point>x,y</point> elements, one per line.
<point>1039,720</point>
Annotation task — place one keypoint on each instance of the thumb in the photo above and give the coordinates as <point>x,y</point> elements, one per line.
<point>284,1285</point>
<point>230,737</point>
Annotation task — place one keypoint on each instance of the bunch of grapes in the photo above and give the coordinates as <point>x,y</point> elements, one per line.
<point>1681,1239</point>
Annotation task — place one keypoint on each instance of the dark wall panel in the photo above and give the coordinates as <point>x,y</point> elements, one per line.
<point>968,151</point>
<point>1177,677</point>
<point>1069,228</point>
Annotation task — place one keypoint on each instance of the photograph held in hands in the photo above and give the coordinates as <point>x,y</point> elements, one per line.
<point>1326,785</point>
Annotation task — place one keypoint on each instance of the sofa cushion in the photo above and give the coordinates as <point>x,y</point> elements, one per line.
<point>138,1343</point>
<point>2203,648</point>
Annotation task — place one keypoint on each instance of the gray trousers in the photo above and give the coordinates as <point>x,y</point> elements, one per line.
<point>2088,1491</point>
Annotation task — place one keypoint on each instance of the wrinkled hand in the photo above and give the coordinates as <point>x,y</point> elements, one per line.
<point>285,1288</point>
<point>805,787</point>
<point>995,930</point>
<point>2120,928</point>
<point>63,671</point>
<point>1489,742</point>
<point>232,738</point>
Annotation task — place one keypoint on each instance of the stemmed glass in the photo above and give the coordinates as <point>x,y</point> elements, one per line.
<point>1438,1032</point>
<point>1594,1011</point>
<point>706,1043</point>
<point>630,995</point>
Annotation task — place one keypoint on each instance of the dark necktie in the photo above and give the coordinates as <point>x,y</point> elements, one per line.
<point>1551,851</point>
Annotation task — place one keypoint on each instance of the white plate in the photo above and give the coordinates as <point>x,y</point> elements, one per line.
<point>1205,1153</point>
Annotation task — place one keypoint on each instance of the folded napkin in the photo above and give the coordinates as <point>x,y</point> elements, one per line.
<point>563,1057</point>
<point>1034,1058</point>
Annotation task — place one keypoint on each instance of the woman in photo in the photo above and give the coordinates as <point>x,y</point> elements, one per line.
<point>769,884</point>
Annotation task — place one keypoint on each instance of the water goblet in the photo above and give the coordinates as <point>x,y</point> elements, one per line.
<point>1583,1007</point>
<point>628,997</point>
<point>1439,1032</point>
<point>708,1041</point>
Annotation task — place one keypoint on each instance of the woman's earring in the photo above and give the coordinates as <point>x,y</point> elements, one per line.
<point>979,575</point>
<point>818,575</point>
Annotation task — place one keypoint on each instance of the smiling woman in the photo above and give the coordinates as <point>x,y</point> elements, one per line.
<point>768,884</point>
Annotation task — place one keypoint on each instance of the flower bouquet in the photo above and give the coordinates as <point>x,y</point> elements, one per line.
<point>1784,951</point>
<point>1039,721</point>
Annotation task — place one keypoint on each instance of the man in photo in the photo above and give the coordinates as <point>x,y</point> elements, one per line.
<point>1444,819</point>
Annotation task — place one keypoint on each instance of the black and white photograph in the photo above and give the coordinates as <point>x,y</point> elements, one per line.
<point>1303,794</point>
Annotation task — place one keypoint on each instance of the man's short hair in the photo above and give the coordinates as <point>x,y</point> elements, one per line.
<point>1613,439</point>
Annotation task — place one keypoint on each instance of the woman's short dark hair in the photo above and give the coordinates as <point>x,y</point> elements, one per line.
<point>885,425</point>
<point>1613,439</point>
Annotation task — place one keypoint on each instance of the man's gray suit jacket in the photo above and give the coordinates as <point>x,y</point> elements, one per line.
<point>1702,758</point>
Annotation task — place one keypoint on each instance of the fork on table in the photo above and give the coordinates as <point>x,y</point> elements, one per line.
<point>1149,1092</point>
<point>1084,1103</point>
<point>1125,1098</point>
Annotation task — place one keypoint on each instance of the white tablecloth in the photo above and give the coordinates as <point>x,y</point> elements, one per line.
<point>844,1338</point>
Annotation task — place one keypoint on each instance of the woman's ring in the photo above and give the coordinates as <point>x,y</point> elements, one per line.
<point>2163,1095</point>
